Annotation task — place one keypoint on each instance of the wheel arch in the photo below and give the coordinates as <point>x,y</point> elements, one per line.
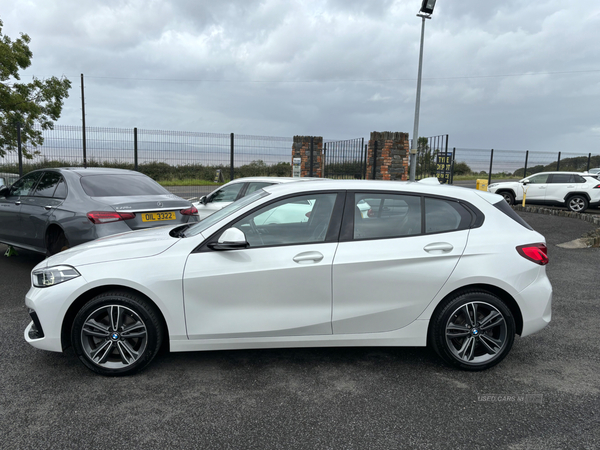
<point>509,190</point>
<point>53,227</point>
<point>582,194</point>
<point>494,290</point>
<point>89,295</point>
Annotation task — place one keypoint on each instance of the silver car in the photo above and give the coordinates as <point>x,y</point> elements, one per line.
<point>49,210</point>
<point>7,178</point>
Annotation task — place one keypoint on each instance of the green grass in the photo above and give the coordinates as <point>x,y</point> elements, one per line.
<point>195,182</point>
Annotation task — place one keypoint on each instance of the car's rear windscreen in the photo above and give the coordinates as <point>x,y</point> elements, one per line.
<point>120,185</point>
<point>506,209</point>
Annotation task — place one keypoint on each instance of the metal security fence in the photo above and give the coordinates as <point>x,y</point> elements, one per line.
<point>519,164</point>
<point>345,159</point>
<point>188,154</point>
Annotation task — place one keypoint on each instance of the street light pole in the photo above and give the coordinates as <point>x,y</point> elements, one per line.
<point>425,13</point>
<point>414,149</point>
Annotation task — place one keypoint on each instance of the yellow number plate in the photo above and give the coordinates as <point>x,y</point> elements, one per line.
<point>158,216</point>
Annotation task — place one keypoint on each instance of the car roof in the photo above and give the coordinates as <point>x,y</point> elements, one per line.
<point>274,180</point>
<point>371,185</point>
<point>557,171</point>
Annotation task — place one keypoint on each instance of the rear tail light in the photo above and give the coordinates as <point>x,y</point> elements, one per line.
<point>99,217</point>
<point>597,186</point>
<point>189,212</point>
<point>537,253</point>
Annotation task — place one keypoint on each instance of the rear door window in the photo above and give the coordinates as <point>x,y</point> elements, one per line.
<point>380,216</point>
<point>48,184</point>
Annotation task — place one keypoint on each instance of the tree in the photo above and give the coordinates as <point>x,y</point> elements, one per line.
<point>40,101</point>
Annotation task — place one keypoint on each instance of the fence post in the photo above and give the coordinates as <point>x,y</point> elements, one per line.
<point>526,158</point>
<point>589,159</point>
<point>231,160</point>
<point>324,160</point>
<point>19,149</point>
<point>452,165</point>
<point>135,149</point>
<point>312,146</point>
<point>375,159</point>
<point>366,156</point>
<point>558,163</point>
<point>83,123</point>
<point>490,172</point>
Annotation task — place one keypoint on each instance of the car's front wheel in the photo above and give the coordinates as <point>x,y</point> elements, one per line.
<point>116,333</point>
<point>577,203</point>
<point>473,331</point>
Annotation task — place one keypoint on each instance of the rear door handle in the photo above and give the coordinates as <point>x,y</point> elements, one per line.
<point>438,248</point>
<point>308,257</point>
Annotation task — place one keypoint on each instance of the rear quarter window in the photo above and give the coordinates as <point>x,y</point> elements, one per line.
<point>506,209</point>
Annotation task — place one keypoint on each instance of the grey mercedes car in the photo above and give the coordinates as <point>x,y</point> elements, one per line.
<point>49,210</point>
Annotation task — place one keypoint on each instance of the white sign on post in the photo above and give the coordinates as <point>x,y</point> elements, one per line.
<point>296,162</point>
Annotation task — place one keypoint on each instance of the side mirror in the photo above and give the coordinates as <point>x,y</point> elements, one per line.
<point>4,191</point>
<point>231,239</point>
<point>202,200</point>
<point>525,182</point>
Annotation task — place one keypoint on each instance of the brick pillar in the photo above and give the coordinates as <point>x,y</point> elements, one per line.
<point>391,162</point>
<point>301,149</point>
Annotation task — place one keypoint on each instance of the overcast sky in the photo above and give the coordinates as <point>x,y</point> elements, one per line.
<point>505,74</point>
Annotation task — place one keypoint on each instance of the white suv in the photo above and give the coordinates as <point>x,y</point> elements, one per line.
<point>576,191</point>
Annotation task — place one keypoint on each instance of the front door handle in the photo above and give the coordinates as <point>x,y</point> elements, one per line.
<point>308,257</point>
<point>18,202</point>
<point>48,207</point>
<point>438,248</point>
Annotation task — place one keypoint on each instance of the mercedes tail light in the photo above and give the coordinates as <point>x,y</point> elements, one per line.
<point>189,212</point>
<point>537,253</point>
<point>98,217</point>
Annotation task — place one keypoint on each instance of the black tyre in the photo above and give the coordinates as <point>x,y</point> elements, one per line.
<point>577,203</point>
<point>56,242</point>
<point>508,196</point>
<point>117,333</point>
<point>472,331</point>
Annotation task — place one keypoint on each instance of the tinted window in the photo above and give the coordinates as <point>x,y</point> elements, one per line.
<point>25,184</point>
<point>47,185</point>
<point>296,220</point>
<point>562,178</point>
<point>120,185</point>
<point>226,194</point>
<point>444,215</point>
<point>61,189</point>
<point>386,215</point>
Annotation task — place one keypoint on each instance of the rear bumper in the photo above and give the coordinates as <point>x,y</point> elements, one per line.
<point>536,305</point>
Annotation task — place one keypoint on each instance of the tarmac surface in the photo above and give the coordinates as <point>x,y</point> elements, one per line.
<point>544,395</point>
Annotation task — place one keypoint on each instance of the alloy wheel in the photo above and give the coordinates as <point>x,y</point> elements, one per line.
<point>476,333</point>
<point>114,337</point>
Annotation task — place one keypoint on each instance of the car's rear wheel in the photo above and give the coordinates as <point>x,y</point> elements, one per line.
<point>508,196</point>
<point>56,241</point>
<point>116,333</point>
<point>473,331</point>
<point>577,203</point>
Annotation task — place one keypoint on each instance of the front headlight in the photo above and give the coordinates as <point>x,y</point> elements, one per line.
<point>493,185</point>
<point>50,276</point>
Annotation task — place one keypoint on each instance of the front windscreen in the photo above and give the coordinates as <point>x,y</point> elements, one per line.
<point>222,213</point>
<point>121,185</point>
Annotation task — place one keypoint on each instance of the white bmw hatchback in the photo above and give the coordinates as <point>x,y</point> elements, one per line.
<point>300,265</point>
